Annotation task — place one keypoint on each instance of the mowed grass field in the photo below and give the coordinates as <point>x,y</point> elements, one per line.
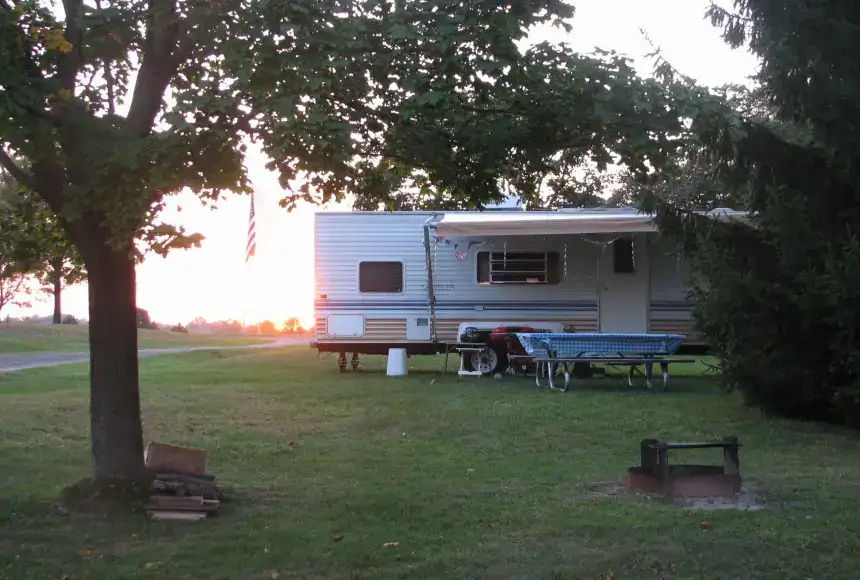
<point>22,337</point>
<point>471,478</point>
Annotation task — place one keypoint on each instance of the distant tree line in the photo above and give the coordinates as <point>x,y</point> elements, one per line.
<point>268,327</point>
<point>290,326</point>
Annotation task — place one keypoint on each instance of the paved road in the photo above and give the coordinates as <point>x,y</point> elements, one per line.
<point>20,362</point>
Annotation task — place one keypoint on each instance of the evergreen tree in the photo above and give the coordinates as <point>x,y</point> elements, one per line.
<point>779,301</point>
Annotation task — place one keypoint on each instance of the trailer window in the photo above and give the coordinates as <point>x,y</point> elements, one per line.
<point>380,277</point>
<point>518,268</point>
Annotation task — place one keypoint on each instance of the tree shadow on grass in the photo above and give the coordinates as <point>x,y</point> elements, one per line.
<point>617,384</point>
<point>106,497</point>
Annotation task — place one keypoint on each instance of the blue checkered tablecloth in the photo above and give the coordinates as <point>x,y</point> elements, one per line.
<point>567,345</point>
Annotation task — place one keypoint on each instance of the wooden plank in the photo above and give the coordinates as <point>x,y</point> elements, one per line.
<point>179,489</point>
<point>206,507</point>
<point>177,499</point>
<point>158,515</point>
<point>211,505</point>
<point>205,479</point>
<point>175,487</point>
<point>172,502</point>
<point>163,457</point>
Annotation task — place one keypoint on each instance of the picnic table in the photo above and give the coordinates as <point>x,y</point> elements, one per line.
<point>554,351</point>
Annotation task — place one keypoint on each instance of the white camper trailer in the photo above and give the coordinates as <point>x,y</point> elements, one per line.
<point>419,280</point>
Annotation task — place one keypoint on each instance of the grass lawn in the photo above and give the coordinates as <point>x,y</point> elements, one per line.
<point>474,478</point>
<point>18,338</point>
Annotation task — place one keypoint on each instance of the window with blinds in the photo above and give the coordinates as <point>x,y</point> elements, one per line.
<point>518,268</point>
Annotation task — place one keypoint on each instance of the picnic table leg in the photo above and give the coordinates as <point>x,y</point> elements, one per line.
<point>664,368</point>
<point>539,366</point>
<point>649,371</point>
<point>566,376</point>
<point>630,375</point>
<point>551,371</point>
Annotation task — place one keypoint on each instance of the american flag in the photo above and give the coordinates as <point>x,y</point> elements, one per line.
<point>460,255</point>
<point>251,246</point>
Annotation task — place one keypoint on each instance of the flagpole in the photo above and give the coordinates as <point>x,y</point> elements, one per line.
<point>250,253</point>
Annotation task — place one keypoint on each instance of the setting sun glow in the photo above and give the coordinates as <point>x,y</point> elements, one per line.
<point>213,281</point>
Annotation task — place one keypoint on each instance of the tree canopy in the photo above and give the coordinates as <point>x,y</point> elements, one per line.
<point>32,228</point>
<point>20,244</point>
<point>545,129</point>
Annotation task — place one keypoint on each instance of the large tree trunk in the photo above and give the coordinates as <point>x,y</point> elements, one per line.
<point>116,431</point>
<point>57,272</point>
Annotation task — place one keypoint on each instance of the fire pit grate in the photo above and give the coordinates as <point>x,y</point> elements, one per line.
<point>657,475</point>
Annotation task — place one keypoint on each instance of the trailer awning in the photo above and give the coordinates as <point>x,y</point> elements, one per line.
<point>540,223</point>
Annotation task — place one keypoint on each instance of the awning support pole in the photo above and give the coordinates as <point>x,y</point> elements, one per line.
<point>431,295</point>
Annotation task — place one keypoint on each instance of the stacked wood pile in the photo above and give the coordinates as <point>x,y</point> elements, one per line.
<point>183,491</point>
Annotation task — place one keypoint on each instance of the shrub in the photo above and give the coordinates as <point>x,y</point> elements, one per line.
<point>144,321</point>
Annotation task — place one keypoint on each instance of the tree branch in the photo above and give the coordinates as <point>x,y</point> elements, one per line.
<point>16,172</point>
<point>111,96</point>
<point>11,284</point>
<point>69,63</point>
<point>166,46</point>
<point>715,10</point>
<point>46,178</point>
<point>185,45</point>
<point>92,78</point>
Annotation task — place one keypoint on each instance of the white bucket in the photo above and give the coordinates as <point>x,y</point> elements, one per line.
<point>397,362</point>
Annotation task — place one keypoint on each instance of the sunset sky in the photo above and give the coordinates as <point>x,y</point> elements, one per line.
<point>214,282</point>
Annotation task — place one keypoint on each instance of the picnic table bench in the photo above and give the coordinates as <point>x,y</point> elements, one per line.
<point>554,351</point>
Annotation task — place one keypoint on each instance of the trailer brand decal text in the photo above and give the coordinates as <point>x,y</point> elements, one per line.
<point>440,287</point>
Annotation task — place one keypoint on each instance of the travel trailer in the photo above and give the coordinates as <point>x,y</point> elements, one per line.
<point>425,281</point>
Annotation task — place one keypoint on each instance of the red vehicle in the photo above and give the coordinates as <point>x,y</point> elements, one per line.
<point>504,349</point>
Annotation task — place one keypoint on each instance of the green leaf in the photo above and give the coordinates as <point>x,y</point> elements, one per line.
<point>429,98</point>
<point>400,32</point>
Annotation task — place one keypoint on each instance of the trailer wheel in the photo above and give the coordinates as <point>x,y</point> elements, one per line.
<point>489,362</point>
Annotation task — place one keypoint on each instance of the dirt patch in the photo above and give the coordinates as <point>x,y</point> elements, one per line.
<point>604,489</point>
<point>747,501</point>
